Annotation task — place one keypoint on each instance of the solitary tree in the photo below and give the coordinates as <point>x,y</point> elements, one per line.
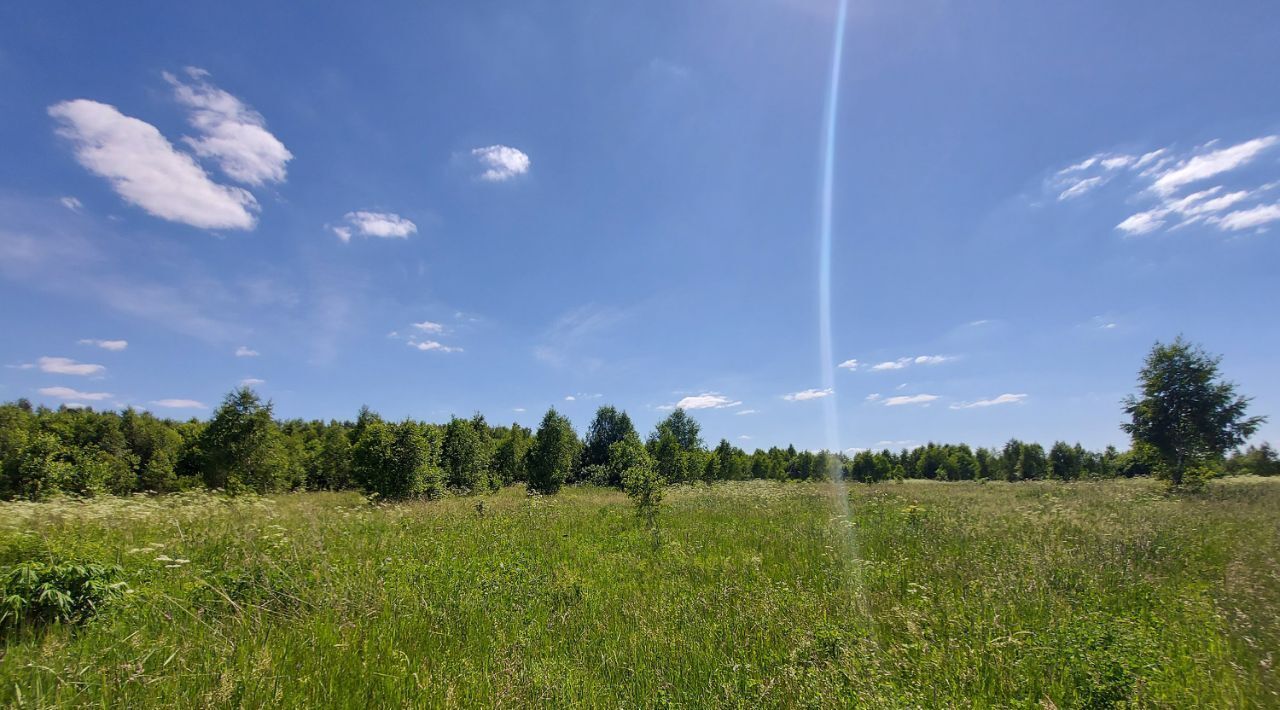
<point>554,450</point>
<point>609,427</point>
<point>629,460</point>
<point>1186,416</point>
<point>467,454</point>
<point>238,449</point>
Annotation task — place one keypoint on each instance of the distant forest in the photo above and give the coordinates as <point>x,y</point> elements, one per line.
<point>45,452</point>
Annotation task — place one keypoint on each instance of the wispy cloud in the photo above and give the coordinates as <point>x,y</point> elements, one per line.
<point>252,382</point>
<point>113,345</point>
<point>808,394</point>
<point>231,134</point>
<point>427,326</point>
<point>501,162</point>
<point>910,399</point>
<point>1159,178</point>
<point>246,351</point>
<point>71,203</point>
<point>145,169</point>
<point>178,404</point>
<point>1002,399</point>
<point>741,412</point>
<point>849,364</point>
<point>69,393</point>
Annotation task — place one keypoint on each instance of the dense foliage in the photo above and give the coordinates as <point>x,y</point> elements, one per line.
<point>241,448</point>
<point>1186,419</point>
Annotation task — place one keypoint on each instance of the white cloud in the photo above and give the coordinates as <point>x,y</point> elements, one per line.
<point>145,169</point>
<point>251,382</point>
<point>428,345</point>
<point>501,162</point>
<point>910,399</point>
<point>741,412</point>
<point>904,362</point>
<point>569,398</point>
<point>68,393</point>
<point>232,134</point>
<point>892,364</point>
<point>744,437</point>
<point>385,225</point>
<point>1250,218</point>
<point>1210,164</point>
<point>1002,399</point>
<point>1080,187</point>
<point>848,365</point>
<point>178,404</point>
<point>427,326</point>
<point>246,351</point>
<point>112,345</point>
<point>1162,175</point>
<point>67,366</point>
<point>873,397</point>
<point>71,203</point>
<point>708,400</point>
<point>808,394</point>
<point>1142,222</point>
<point>517,409</point>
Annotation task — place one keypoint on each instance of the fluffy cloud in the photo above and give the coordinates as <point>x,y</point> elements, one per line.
<point>384,225</point>
<point>429,345</point>
<point>178,404</point>
<point>850,364</point>
<point>68,393</point>
<point>145,169</point>
<point>1002,399</point>
<point>808,394</point>
<point>231,134</point>
<point>709,400</point>
<point>501,162</point>
<point>904,362</point>
<point>246,351</point>
<point>427,326</point>
<point>67,366</point>
<point>570,398</point>
<point>112,345</point>
<point>910,399</point>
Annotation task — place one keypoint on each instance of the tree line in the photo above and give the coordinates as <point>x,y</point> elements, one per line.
<point>1177,430</point>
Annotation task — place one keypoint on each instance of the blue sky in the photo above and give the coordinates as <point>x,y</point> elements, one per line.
<point>449,207</point>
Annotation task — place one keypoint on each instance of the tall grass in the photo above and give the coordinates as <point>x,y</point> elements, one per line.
<point>758,595</point>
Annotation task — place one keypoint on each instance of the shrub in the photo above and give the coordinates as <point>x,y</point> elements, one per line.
<point>44,592</point>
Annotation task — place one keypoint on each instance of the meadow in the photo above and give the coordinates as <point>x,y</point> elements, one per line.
<point>752,594</point>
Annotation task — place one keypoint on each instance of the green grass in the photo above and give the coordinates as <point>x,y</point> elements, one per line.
<point>759,595</point>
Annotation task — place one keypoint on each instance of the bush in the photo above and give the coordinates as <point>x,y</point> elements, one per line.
<point>68,593</point>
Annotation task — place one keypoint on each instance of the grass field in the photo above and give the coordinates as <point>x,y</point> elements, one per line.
<point>756,595</point>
